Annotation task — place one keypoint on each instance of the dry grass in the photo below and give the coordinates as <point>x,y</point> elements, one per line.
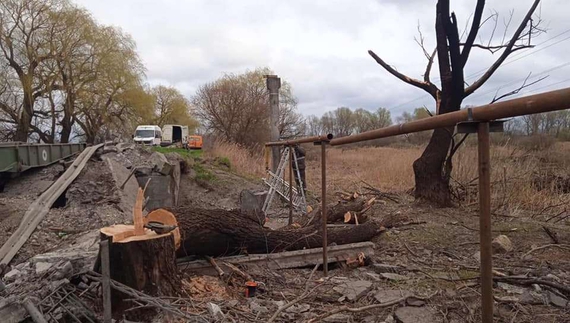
<point>390,169</point>
<point>242,161</point>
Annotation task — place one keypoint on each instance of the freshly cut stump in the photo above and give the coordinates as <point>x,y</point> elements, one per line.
<point>144,262</point>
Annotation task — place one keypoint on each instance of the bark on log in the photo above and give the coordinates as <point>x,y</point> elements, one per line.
<point>335,213</point>
<point>146,263</point>
<point>223,232</point>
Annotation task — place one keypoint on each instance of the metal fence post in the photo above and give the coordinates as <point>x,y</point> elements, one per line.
<point>324,205</point>
<point>485,222</point>
<point>105,270</point>
<point>290,185</point>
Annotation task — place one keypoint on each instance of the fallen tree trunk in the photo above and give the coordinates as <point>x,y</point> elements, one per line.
<point>335,212</point>
<point>223,232</point>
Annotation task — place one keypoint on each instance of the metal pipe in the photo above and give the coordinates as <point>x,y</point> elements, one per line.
<point>106,271</point>
<point>303,140</point>
<point>33,311</point>
<point>267,157</point>
<point>485,222</point>
<point>324,205</point>
<point>538,103</point>
<point>290,185</point>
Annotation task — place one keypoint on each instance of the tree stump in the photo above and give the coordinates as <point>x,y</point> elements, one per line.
<point>142,258</point>
<point>145,262</point>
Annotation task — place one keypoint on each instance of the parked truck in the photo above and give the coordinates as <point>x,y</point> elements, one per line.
<point>195,142</point>
<point>148,135</point>
<point>172,133</point>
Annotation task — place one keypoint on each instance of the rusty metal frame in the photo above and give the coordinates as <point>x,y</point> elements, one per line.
<point>482,120</point>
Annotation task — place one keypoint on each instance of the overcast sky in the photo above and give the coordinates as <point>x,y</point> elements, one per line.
<point>320,46</point>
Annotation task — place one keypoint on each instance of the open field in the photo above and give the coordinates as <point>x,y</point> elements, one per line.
<point>438,251</point>
<point>534,182</point>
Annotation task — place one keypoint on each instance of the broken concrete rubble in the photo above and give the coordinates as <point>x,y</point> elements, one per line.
<point>353,290</point>
<point>215,311</point>
<point>390,295</point>
<point>415,315</point>
<point>502,244</point>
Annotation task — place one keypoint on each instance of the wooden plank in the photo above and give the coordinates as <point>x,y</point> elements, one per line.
<point>106,281</point>
<point>40,207</point>
<point>287,259</point>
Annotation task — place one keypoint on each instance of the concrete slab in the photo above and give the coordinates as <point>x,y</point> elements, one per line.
<point>415,315</point>
<point>353,290</point>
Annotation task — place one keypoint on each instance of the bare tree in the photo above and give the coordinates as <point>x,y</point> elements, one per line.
<point>314,126</point>
<point>236,108</point>
<point>433,169</point>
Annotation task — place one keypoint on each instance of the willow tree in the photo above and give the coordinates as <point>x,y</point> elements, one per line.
<point>433,169</point>
<point>26,26</point>
<point>106,104</point>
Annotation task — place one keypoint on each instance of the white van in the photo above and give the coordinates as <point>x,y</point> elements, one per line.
<point>172,133</point>
<point>148,135</point>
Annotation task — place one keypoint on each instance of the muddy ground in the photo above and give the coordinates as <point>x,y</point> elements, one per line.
<point>428,253</point>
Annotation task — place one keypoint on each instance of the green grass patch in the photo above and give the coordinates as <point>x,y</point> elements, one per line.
<point>203,174</point>
<point>223,161</point>
<point>187,153</point>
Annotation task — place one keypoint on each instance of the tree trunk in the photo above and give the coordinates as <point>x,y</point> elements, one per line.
<point>335,212</point>
<point>145,263</point>
<point>431,183</point>
<point>222,232</point>
<point>23,127</point>
<point>66,125</point>
<point>67,120</point>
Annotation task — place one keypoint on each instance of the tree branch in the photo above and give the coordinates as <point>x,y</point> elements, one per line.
<point>496,48</point>
<point>426,86</point>
<point>429,65</point>
<point>508,50</point>
<point>473,32</point>
<point>516,91</point>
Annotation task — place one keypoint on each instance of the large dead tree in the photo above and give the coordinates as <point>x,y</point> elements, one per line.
<point>433,169</point>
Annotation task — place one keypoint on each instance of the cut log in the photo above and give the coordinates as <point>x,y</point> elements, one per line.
<point>166,218</point>
<point>222,232</point>
<point>336,212</point>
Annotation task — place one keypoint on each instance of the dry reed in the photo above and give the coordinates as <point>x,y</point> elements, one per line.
<point>514,172</point>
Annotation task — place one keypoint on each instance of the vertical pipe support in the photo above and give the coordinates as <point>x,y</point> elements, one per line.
<point>324,205</point>
<point>105,270</point>
<point>485,222</point>
<point>290,185</point>
<point>267,157</point>
<point>273,83</point>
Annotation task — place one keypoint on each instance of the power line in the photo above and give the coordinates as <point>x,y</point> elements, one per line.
<point>479,94</point>
<point>515,57</point>
<point>542,87</point>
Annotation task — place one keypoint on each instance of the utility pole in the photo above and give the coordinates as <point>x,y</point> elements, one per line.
<point>273,85</point>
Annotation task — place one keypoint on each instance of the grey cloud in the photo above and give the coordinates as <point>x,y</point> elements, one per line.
<point>320,46</point>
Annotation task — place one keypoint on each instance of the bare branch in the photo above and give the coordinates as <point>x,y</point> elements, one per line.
<point>496,48</point>
<point>516,91</point>
<point>420,42</point>
<point>473,32</point>
<point>426,86</point>
<point>429,65</point>
<point>508,50</point>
